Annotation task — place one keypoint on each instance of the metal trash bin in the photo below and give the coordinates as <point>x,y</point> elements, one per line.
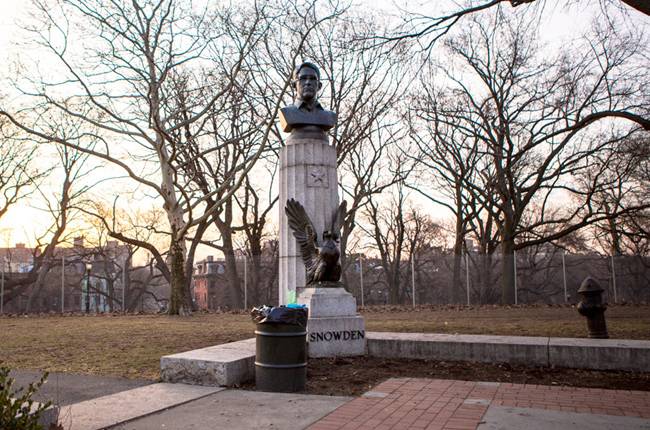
<point>280,349</point>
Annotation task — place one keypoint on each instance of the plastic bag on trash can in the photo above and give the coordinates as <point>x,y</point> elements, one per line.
<point>291,314</point>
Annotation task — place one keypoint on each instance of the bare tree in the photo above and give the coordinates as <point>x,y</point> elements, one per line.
<point>425,241</point>
<point>628,179</point>
<point>138,81</point>
<point>18,175</point>
<point>446,157</point>
<point>259,247</point>
<point>385,225</point>
<point>366,89</point>
<point>65,185</point>
<point>427,30</point>
<point>531,118</point>
<point>135,269</point>
<point>244,125</point>
<point>61,207</point>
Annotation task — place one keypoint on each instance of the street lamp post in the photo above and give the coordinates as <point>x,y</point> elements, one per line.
<point>88,268</point>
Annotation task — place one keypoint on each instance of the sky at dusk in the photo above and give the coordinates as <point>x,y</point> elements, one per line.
<point>559,25</point>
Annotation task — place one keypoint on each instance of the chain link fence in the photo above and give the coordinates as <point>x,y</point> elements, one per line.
<point>470,279</point>
<point>474,279</point>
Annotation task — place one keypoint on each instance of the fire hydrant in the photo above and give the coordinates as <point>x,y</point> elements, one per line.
<point>592,307</point>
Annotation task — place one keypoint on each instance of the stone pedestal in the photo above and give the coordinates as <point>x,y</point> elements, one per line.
<point>334,328</point>
<point>307,174</point>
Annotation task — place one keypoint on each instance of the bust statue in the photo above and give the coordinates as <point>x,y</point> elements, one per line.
<point>306,114</point>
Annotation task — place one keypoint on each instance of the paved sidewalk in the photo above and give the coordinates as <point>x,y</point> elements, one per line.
<point>241,410</point>
<point>404,403</point>
<point>457,405</point>
<point>67,388</point>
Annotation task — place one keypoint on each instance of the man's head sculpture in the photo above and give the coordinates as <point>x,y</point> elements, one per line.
<point>306,117</point>
<point>306,81</point>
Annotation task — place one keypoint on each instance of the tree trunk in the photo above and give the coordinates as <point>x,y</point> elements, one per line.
<point>180,302</point>
<point>34,291</point>
<point>507,271</point>
<point>233,297</point>
<point>486,272</point>
<point>254,269</point>
<point>394,297</point>
<point>37,287</point>
<point>344,273</point>
<point>615,236</point>
<point>454,286</point>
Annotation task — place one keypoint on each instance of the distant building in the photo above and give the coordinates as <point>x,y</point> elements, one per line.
<point>208,281</point>
<point>79,278</point>
<point>18,259</point>
<point>257,277</point>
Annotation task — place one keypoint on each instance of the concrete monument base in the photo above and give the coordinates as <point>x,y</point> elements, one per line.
<point>336,336</point>
<point>307,174</point>
<point>334,328</point>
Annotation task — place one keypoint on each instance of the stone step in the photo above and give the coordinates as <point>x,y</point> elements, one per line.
<point>452,347</point>
<point>117,408</point>
<point>221,365</point>
<point>598,354</point>
<point>234,363</point>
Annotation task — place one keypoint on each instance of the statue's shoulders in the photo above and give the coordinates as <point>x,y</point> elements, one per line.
<point>330,114</point>
<point>328,119</point>
<point>291,117</point>
<point>289,109</point>
<point>288,116</point>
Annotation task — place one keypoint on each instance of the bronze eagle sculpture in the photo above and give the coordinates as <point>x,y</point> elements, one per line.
<point>321,258</point>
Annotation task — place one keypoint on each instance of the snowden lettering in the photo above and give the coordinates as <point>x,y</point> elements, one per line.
<point>329,336</point>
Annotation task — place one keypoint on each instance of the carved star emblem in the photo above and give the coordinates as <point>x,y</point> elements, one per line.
<point>317,176</point>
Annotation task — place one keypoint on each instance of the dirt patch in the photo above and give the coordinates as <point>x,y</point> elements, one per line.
<point>355,376</point>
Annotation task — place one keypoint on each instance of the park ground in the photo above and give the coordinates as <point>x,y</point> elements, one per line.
<point>131,345</point>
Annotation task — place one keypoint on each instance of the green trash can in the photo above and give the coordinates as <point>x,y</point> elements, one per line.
<point>281,349</point>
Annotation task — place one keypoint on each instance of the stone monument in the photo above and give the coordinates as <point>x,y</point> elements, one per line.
<point>310,223</point>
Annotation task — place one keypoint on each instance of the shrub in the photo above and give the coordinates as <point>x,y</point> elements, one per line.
<point>16,405</point>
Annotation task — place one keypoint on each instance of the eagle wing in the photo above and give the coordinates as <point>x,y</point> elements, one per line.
<point>303,231</point>
<point>337,219</point>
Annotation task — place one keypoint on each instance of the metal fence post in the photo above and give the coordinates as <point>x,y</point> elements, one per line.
<point>361,277</point>
<point>614,280</point>
<point>564,275</point>
<point>514,265</point>
<point>62,281</point>
<point>467,275</point>
<point>124,286</point>
<point>245,283</point>
<point>413,277</point>
<point>2,288</point>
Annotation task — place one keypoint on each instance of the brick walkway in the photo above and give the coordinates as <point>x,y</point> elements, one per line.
<point>407,403</point>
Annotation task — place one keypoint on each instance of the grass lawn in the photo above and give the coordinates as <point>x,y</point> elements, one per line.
<point>131,346</point>
<point>623,322</point>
